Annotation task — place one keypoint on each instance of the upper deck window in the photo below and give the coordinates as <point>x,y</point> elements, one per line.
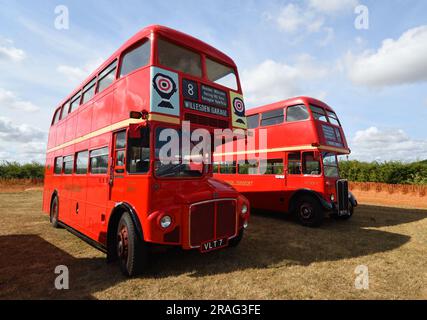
<point>297,113</point>
<point>56,116</point>
<point>318,113</point>
<point>107,77</point>
<point>89,91</point>
<point>75,102</point>
<point>272,117</point>
<point>136,58</point>
<point>333,118</point>
<point>178,58</point>
<point>253,121</point>
<point>221,74</point>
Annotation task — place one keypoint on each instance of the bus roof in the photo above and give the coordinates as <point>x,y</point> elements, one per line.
<point>288,102</point>
<point>169,33</point>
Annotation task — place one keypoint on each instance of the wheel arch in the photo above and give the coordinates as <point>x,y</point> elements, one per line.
<point>113,222</point>
<point>307,192</point>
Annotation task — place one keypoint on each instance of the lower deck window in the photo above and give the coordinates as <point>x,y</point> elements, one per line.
<point>68,165</point>
<point>99,161</point>
<point>273,166</point>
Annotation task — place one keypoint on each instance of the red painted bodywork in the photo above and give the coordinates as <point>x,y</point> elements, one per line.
<point>275,191</point>
<point>148,196</point>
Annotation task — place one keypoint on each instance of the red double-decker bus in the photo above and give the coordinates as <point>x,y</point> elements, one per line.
<point>300,173</point>
<point>104,179</point>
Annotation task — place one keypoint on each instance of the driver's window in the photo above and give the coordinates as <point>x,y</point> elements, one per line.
<point>138,155</point>
<point>311,165</point>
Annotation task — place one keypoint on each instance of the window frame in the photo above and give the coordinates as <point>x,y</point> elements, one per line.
<point>271,111</point>
<point>190,49</point>
<point>91,85</point>
<point>72,166</point>
<point>61,167</point>
<point>289,161</point>
<point>99,155</point>
<point>130,49</point>
<point>258,115</point>
<point>76,170</point>
<point>113,66</point>
<point>293,106</point>
<point>76,97</point>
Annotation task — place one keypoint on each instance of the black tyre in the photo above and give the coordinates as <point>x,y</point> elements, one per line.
<point>309,211</point>
<point>54,213</point>
<point>131,250</point>
<point>236,240</point>
<point>346,217</point>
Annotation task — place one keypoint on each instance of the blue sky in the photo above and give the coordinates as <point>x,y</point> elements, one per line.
<point>374,78</point>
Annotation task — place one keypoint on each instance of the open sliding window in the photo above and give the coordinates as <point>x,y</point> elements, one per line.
<point>221,74</point>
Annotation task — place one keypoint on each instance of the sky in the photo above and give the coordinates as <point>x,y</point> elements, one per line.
<point>366,59</point>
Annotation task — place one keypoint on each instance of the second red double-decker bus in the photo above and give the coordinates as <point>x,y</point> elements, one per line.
<point>104,178</point>
<point>300,173</point>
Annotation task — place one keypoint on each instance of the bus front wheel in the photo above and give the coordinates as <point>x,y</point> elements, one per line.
<point>309,211</point>
<point>131,250</point>
<point>54,213</point>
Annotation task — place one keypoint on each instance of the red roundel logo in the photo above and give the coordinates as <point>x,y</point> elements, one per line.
<point>239,106</point>
<point>164,84</point>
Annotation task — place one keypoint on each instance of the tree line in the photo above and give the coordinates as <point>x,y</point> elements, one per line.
<point>387,172</point>
<point>15,170</point>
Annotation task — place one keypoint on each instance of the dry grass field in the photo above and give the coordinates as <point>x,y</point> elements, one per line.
<point>278,259</point>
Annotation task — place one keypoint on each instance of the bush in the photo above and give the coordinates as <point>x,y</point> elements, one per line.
<point>15,170</point>
<point>387,172</point>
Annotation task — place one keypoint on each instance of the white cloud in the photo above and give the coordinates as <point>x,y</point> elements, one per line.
<point>396,62</point>
<point>272,81</point>
<point>10,132</point>
<point>387,145</point>
<point>333,6</point>
<point>78,74</point>
<point>9,100</point>
<point>9,53</point>
<point>292,18</point>
<point>22,143</point>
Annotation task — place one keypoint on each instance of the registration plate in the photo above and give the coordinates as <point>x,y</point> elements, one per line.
<point>213,245</point>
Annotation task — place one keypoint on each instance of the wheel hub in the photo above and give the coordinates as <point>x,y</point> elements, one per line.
<point>122,243</point>
<point>306,211</point>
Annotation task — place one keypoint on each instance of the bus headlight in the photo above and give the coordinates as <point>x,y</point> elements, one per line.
<point>165,222</point>
<point>244,209</point>
<point>332,198</point>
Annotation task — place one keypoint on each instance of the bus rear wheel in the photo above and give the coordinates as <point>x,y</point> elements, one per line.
<point>309,211</point>
<point>131,250</point>
<point>54,213</point>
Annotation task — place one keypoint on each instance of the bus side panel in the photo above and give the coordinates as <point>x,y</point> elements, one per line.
<point>70,131</point>
<point>47,183</point>
<point>84,121</point>
<point>132,94</point>
<point>102,110</point>
<point>51,142</point>
<point>60,136</point>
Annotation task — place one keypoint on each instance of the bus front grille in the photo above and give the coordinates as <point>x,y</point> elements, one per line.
<point>342,196</point>
<point>212,220</point>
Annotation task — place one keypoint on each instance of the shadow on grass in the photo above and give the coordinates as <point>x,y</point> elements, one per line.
<point>28,261</point>
<point>27,268</point>
<point>274,240</point>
